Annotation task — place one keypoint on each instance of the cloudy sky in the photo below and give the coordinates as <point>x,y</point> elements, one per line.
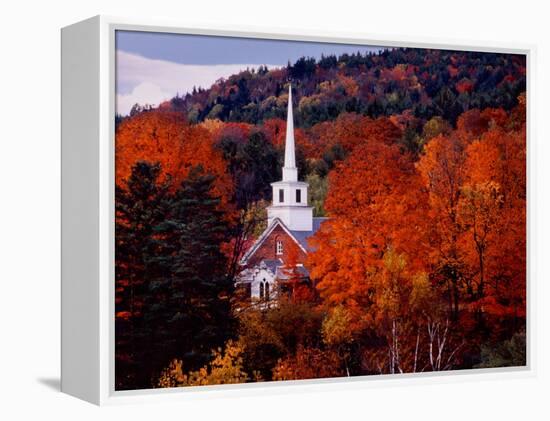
<point>153,67</point>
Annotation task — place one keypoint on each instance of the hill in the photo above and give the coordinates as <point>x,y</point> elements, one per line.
<point>425,83</point>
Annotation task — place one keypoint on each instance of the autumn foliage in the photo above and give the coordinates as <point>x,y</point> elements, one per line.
<point>431,250</point>
<point>166,138</point>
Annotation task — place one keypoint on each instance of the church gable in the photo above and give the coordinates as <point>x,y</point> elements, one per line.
<point>275,245</point>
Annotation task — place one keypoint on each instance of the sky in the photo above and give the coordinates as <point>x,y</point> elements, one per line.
<point>153,67</point>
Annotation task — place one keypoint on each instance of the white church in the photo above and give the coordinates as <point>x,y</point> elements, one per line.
<point>290,223</point>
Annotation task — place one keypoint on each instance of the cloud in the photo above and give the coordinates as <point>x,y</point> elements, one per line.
<point>148,81</point>
<point>144,93</point>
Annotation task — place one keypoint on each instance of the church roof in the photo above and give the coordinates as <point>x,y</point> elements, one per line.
<point>302,236</point>
<point>277,268</point>
<point>276,222</point>
<point>272,264</point>
<point>282,275</point>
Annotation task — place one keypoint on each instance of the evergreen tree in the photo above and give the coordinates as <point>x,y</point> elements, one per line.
<point>188,307</point>
<point>139,207</point>
<point>254,165</point>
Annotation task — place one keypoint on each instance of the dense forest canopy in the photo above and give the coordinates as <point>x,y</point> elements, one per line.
<point>426,83</point>
<point>418,157</point>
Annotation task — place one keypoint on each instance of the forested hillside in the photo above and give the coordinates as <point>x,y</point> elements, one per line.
<point>426,83</point>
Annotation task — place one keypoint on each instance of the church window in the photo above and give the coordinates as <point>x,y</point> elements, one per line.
<point>261,290</point>
<point>298,196</point>
<point>266,291</point>
<point>279,247</point>
<point>281,195</point>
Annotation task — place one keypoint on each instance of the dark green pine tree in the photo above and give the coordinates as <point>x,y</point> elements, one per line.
<point>189,306</point>
<point>139,207</point>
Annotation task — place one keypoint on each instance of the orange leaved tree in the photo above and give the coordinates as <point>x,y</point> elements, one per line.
<point>165,137</point>
<point>443,170</point>
<point>375,203</point>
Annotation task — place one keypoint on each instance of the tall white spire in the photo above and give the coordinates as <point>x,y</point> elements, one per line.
<point>290,195</point>
<point>290,172</point>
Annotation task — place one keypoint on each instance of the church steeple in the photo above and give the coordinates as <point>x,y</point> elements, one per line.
<point>290,195</point>
<point>290,172</point>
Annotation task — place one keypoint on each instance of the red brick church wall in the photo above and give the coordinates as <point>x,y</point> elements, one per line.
<point>268,248</point>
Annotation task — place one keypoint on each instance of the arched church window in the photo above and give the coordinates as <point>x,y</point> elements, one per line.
<point>266,291</point>
<point>279,247</point>
<point>261,290</point>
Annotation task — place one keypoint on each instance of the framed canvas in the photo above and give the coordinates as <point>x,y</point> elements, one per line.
<point>246,210</point>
